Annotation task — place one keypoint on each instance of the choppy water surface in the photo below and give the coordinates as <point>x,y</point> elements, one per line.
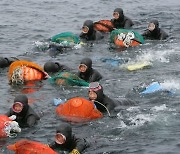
<point>152,126</point>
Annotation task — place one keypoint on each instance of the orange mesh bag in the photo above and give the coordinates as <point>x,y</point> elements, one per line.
<point>21,71</point>
<point>126,38</point>
<point>104,26</point>
<point>121,42</point>
<point>78,110</point>
<point>30,147</point>
<point>3,123</point>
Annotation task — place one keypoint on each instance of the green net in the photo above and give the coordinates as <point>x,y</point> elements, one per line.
<point>66,78</point>
<point>66,38</point>
<point>126,34</point>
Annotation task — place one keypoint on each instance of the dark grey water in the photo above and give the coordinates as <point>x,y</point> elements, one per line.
<point>152,126</point>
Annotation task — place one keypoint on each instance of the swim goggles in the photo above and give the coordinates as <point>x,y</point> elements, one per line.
<point>85,29</point>
<point>13,107</point>
<point>57,136</point>
<point>94,86</point>
<point>151,26</point>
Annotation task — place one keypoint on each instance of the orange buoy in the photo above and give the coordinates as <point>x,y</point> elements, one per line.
<point>3,123</point>
<point>104,26</point>
<point>7,125</point>
<point>78,110</point>
<point>121,42</point>
<point>22,71</point>
<point>30,147</point>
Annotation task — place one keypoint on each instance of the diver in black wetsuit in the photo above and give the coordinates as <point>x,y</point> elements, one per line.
<point>89,33</point>
<point>66,141</point>
<point>154,32</point>
<point>86,72</point>
<point>25,115</point>
<point>120,20</point>
<point>5,62</point>
<point>97,96</point>
<point>54,67</point>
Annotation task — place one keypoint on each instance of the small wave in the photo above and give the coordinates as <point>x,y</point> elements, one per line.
<point>159,108</point>
<point>171,84</point>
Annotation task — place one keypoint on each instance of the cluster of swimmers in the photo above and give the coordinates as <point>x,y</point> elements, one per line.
<point>64,138</point>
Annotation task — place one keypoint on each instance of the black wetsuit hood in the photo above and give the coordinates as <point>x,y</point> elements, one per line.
<point>90,25</point>
<point>100,95</point>
<point>3,62</point>
<point>157,29</point>
<point>51,67</point>
<point>24,100</point>
<point>88,63</point>
<point>92,33</point>
<point>100,99</point>
<point>122,21</point>
<point>121,14</point>
<point>66,130</point>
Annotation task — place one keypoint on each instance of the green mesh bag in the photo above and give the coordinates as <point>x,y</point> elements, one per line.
<point>66,78</point>
<point>126,34</point>
<point>66,38</point>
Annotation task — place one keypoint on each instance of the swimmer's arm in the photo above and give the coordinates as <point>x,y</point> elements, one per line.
<point>127,24</point>
<point>31,120</point>
<point>81,144</point>
<point>8,113</point>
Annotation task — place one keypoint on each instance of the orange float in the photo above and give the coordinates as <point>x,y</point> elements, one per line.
<point>7,125</point>
<point>30,147</point>
<point>104,26</point>
<point>78,109</point>
<point>3,123</point>
<point>126,38</point>
<point>22,71</point>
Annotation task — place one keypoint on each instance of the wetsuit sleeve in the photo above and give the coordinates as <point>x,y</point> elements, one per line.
<point>96,76</point>
<point>11,59</point>
<point>99,35</point>
<point>52,145</point>
<point>65,68</point>
<point>82,35</point>
<point>81,144</point>
<point>163,35</point>
<point>128,24</point>
<point>146,34</point>
<point>8,113</point>
<point>31,120</point>
<point>109,103</point>
<point>78,74</point>
<point>3,62</point>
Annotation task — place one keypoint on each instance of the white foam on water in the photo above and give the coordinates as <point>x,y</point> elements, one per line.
<point>130,109</point>
<point>141,119</point>
<point>158,55</point>
<point>171,84</point>
<point>159,108</point>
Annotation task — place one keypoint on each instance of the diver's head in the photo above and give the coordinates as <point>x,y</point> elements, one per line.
<point>63,133</point>
<point>95,91</point>
<point>118,14</point>
<point>85,65</point>
<point>20,104</point>
<point>88,27</point>
<point>51,67</point>
<point>153,25</point>
<point>3,62</point>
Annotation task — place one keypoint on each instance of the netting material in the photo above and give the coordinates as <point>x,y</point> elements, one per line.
<point>66,78</point>
<point>21,71</point>
<point>126,38</point>
<point>66,38</point>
